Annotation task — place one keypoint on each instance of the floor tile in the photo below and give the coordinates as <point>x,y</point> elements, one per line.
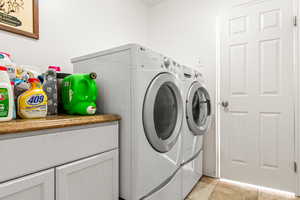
<point>213,189</point>
<point>266,195</point>
<point>226,191</point>
<point>203,189</point>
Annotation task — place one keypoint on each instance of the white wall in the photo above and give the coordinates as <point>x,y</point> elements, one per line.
<point>183,29</point>
<point>71,28</point>
<point>186,31</point>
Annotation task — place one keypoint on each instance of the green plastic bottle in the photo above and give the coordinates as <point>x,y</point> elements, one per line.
<point>79,94</point>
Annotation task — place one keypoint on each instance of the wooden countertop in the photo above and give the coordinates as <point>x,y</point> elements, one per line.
<point>60,121</point>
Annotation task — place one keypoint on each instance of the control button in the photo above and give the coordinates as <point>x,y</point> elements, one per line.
<point>167,62</point>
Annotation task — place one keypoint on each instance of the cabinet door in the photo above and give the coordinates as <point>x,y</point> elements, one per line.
<point>94,178</point>
<point>39,186</point>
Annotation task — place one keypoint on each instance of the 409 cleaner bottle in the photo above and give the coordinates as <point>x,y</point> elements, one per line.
<point>33,102</point>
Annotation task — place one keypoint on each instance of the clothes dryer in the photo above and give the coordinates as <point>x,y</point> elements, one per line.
<point>195,126</point>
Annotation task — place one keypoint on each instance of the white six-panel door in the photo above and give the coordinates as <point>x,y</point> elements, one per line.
<point>257,116</point>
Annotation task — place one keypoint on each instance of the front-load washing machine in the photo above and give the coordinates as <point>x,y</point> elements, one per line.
<point>144,88</point>
<point>195,126</point>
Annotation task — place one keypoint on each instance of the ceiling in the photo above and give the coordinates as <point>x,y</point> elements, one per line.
<point>152,2</point>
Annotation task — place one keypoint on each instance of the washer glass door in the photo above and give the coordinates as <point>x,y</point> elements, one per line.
<point>198,109</point>
<point>163,112</point>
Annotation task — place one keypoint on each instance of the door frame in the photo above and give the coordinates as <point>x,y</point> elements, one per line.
<point>297,93</point>
<point>296,89</point>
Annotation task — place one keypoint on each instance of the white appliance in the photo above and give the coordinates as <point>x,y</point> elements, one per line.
<point>144,88</point>
<point>196,124</point>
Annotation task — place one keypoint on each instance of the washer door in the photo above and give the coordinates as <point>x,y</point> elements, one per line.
<point>198,109</point>
<point>163,112</point>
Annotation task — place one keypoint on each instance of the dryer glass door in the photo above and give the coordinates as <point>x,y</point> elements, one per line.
<point>163,112</point>
<point>198,109</point>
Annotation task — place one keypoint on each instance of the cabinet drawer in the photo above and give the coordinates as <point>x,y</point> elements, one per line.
<point>93,178</point>
<point>39,186</point>
<point>21,156</point>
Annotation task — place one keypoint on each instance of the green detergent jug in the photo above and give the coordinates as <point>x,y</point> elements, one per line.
<point>79,94</point>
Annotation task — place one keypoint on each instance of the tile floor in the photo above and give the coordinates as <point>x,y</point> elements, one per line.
<point>214,189</point>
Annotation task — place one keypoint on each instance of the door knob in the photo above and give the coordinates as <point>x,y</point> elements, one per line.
<point>225,104</point>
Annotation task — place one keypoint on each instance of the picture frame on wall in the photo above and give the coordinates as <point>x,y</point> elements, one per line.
<point>20,17</point>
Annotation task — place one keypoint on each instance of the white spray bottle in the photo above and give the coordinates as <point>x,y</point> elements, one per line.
<point>6,96</point>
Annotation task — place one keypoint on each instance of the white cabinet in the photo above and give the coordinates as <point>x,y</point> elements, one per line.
<point>39,186</point>
<point>55,148</point>
<point>94,178</point>
<point>83,162</point>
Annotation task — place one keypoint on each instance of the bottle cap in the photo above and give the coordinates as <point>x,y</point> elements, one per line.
<point>93,75</point>
<point>7,54</point>
<point>56,68</point>
<point>2,68</point>
<point>31,80</point>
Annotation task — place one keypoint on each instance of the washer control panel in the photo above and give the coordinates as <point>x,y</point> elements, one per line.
<point>171,66</point>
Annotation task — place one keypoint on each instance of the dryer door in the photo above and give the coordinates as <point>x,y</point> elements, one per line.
<point>163,112</point>
<point>198,109</point>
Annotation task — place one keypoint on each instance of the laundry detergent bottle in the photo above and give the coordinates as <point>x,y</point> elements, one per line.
<point>79,94</point>
<point>33,102</point>
<point>6,96</point>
